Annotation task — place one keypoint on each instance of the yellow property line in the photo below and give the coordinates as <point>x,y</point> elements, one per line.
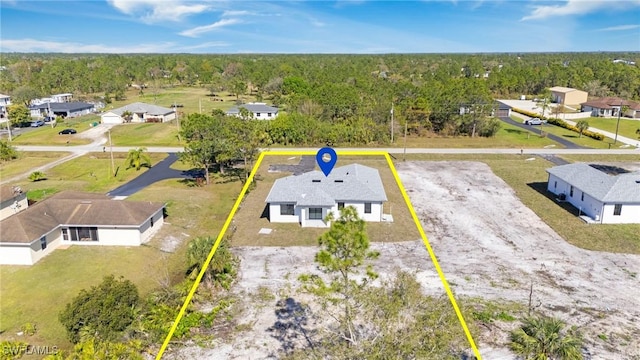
<point>299,153</point>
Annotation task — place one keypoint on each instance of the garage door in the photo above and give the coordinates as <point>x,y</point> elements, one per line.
<point>111,119</point>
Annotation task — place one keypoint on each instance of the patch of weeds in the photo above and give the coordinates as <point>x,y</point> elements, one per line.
<point>631,274</point>
<point>264,294</point>
<point>602,337</point>
<point>468,278</point>
<point>244,327</point>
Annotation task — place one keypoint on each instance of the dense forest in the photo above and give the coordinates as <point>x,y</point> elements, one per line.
<point>427,89</point>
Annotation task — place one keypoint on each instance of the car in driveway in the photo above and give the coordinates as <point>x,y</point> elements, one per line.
<point>533,121</point>
<point>37,123</point>
<point>67,132</point>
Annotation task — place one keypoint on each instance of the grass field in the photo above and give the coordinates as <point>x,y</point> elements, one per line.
<point>528,179</point>
<point>146,134</point>
<point>26,162</point>
<point>192,211</point>
<point>252,216</point>
<point>575,137</point>
<point>627,127</point>
<point>47,135</point>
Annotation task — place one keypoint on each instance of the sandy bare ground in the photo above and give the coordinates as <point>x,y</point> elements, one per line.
<point>489,246</point>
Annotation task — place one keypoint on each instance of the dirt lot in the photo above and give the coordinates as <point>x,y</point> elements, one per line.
<point>489,246</point>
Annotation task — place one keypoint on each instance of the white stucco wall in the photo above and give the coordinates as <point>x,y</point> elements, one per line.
<point>374,216</point>
<point>265,115</point>
<point>147,231</point>
<point>115,237</point>
<point>53,241</point>
<point>306,222</point>
<point>274,214</point>
<point>629,214</point>
<point>13,206</point>
<point>15,254</point>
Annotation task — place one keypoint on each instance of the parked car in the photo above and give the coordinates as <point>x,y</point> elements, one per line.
<point>534,121</point>
<point>67,132</point>
<point>37,123</point>
<point>50,118</point>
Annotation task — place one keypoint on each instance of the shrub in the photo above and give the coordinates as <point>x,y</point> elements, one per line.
<point>7,152</point>
<point>37,176</point>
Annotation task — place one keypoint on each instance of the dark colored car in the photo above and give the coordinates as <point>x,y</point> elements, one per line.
<point>67,132</point>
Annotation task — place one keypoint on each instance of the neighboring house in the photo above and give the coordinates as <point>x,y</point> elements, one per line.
<point>502,109</point>
<point>568,96</point>
<point>623,61</point>
<point>5,100</point>
<point>12,201</point>
<point>602,198</point>
<point>259,111</point>
<point>610,106</point>
<point>62,98</point>
<point>65,109</point>
<point>72,218</point>
<point>308,198</point>
<point>138,112</point>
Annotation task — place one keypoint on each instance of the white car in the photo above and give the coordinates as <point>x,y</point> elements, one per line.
<point>533,121</point>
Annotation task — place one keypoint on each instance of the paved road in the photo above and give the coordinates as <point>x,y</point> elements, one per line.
<point>160,171</point>
<point>538,130</point>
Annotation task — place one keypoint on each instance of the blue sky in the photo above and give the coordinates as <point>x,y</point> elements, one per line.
<point>300,26</point>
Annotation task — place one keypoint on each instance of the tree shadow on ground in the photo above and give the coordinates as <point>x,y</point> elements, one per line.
<point>541,187</point>
<point>290,328</point>
<point>570,136</point>
<point>515,131</point>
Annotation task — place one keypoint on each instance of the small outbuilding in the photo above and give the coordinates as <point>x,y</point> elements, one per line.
<point>568,96</point>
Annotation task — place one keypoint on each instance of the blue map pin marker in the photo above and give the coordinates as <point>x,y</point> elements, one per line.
<point>326,166</point>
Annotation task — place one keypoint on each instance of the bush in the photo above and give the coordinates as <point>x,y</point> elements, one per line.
<point>561,123</point>
<point>7,152</point>
<point>107,310</point>
<point>37,176</point>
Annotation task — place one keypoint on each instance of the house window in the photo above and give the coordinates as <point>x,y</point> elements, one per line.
<point>315,213</point>
<point>340,205</point>
<point>617,209</point>
<point>582,196</point>
<point>367,208</point>
<point>571,191</point>
<point>257,114</point>
<point>555,184</point>
<point>268,114</point>
<point>286,209</point>
<point>65,234</point>
<point>83,233</point>
<point>43,242</point>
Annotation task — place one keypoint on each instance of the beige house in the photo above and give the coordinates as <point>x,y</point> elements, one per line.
<point>73,218</point>
<point>12,201</point>
<point>568,96</point>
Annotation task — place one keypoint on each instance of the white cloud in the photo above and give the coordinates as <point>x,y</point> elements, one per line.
<point>152,11</point>
<point>194,32</point>
<point>229,13</point>
<point>206,45</point>
<point>577,7</point>
<point>32,45</point>
<point>620,28</point>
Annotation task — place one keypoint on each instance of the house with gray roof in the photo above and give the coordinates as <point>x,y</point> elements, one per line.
<point>600,197</point>
<point>138,112</point>
<point>64,109</point>
<point>75,218</point>
<point>308,198</point>
<point>258,110</point>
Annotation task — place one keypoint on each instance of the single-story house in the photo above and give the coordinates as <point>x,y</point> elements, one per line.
<point>610,106</point>
<point>5,100</point>
<point>73,218</point>
<point>64,109</point>
<point>12,201</point>
<point>502,110</point>
<point>138,112</point>
<point>259,111</point>
<point>62,98</point>
<point>308,198</point>
<point>568,96</point>
<point>603,198</point>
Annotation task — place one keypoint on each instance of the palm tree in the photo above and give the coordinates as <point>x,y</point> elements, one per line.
<point>221,266</point>
<point>136,158</point>
<point>582,125</point>
<point>543,338</point>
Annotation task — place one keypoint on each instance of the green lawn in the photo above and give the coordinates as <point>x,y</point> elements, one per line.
<point>627,127</point>
<point>47,135</point>
<point>27,161</point>
<point>38,293</point>
<point>146,134</point>
<point>575,137</point>
<point>528,179</point>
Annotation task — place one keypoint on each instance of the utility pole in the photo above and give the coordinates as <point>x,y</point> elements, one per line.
<point>392,122</point>
<point>175,108</point>
<point>9,128</point>
<point>200,105</point>
<point>615,140</point>
<point>113,164</point>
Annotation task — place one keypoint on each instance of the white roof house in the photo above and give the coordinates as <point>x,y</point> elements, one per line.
<point>308,198</point>
<point>259,111</point>
<point>600,197</point>
<point>139,112</point>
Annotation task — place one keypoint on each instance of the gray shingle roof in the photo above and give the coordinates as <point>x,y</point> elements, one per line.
<point>623,188</point>
<point>139,107</point>
<point>66,106</point>
<point>353,182</point>
<point>253,107</point>
<point>74,209</point>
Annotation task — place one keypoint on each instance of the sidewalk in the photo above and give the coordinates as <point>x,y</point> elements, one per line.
<point>622,139</point>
